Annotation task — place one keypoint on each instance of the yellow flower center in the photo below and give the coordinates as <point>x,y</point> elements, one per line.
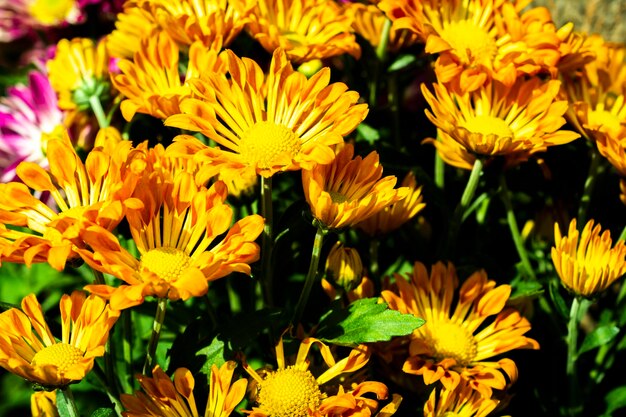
<point>337,198</point>
<point>167,263</point>
<point>488,125</point>
<point>469,41</point>
<point>268,144</point>
<point>449,340</point>
<point>289,392</point>
<point>51,12</point>
<point>602,118</point>
<point>62,355</point>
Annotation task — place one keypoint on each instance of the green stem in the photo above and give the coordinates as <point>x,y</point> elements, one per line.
<point>267,244</point>
<point>595,168</point>
<point>505,195</point>
<point>439,171</point>
<point>159,317</point>
<point>374,245</point>
<point>577,309</point>
<point>99,375</point>
<point>127,349</point>
<point>98,277</point>
<point>381,54</point>
<point>310,276</point>
<point>394,99</point>
<point>98,111</point>
<point>381,49</point>
<point>65,403</point>
<point>466,198</point>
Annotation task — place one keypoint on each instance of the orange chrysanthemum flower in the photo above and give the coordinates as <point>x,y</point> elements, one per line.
<point>161,397</point>
<point>495,120</point>
<point>462,401</point>
<point>43,404</point>
<point>79,70</point>
<point>368,21</point>
<point>293,391</point>
<point>392,217</point>
<point>28,348</point>
<point>455,343</point>
<point>131,26</point>
<point>480,40</point>
<point>305,29</point>
<point>96,190</point>
<point>152,83</point>
<point>284,122</point>
<point>204,21</point>
<point>348,191</point>
<point>586,262</point>
<point>173,228</point>
<point>596,93</point>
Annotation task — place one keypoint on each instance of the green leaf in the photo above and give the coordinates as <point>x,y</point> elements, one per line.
<point>365,321</point>
<point>615,399</point>
<point>367,133</point>
<point>403,61</point>
<point>523,288</point>
<point>214,354</point>
<point>558,300</point>
<point>103,412</point>
<point>598,337</point>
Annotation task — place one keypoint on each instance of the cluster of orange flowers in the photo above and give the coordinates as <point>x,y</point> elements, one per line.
<point>507,81</point>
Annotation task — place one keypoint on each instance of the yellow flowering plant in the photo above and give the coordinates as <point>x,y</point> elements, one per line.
<point>322,208</point>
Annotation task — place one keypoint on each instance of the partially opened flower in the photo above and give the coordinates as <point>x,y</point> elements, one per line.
<point>368,21</point>
<point>267,124</point>
<point>163,398</point>
<point>152,83</point>
<point>43,404</point>
<point>293,391</point>
<point>348,191</point>
<point>97,189</point>
<point>344,267</point>
<point>78,71</point>
<point>29,349</point>
<point>25,114</point>
<point>394,216</point>
<point>304,29</point>
<point>174,225</point>
<point>587,262</point>
<point>495,120</point>
<point>463,401</point>
<point>458,342</point>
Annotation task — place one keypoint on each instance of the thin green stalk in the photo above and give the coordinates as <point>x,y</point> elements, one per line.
<point>98,277</point>
<point>595,168</point>
<point>99,375</point>
<point>466,198</point>
<point>440,170</point>
<point>157,325</point>
<point>127,350</point>
<point>374,245</point>
<point>267,244</point>
<point>98,111</point>
<point>310,276</point>
<point>381,53</point>
<point>575,407</point>
<point>505,195</point>
<point>65,403</point>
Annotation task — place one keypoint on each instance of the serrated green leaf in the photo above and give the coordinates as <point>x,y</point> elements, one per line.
<point>403,61</point>
<point>103,412</point>
<point>367,133</point>
<point>214,354</point>
<point>598,337</point>
<point>365,321</point>
<point>525,288</point>
<point>615,399</point>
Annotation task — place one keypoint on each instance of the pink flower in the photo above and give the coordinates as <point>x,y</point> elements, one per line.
<point>25,114</point>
